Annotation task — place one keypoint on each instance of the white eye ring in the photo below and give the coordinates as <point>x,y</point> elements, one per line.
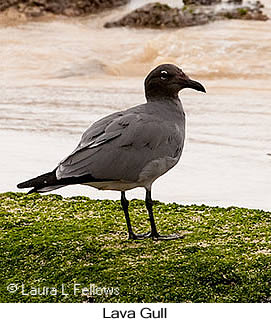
<point>163,75</point>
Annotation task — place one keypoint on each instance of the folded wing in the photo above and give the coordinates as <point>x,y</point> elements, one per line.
<point>119,146</point>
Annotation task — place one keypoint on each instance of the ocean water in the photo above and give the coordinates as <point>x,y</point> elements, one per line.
<point>60,75</point>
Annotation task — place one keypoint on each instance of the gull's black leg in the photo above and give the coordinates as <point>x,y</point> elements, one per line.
<point>149,203</point>
<point>132,235</point>
<point>125,204</point>
<point>154,234</point>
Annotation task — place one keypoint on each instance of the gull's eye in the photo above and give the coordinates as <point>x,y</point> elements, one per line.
<point>164,75</point>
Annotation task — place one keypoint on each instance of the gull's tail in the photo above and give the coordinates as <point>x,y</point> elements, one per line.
<point>43,183</point>
<point>49,182</point>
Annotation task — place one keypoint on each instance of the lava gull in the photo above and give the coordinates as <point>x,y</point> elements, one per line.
<point>130,148</point>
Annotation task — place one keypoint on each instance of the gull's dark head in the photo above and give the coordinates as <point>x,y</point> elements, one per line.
<point>166,80</point>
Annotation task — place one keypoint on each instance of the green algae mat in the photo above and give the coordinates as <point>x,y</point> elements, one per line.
<point>55,249</point>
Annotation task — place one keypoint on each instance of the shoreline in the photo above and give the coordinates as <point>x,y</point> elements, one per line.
<point>65,197</point>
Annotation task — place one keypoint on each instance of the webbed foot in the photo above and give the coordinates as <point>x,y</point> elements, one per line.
<point>167,237</point>
<point>139,236</point>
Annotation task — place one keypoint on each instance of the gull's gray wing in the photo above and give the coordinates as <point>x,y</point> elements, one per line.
<point>120,145</point>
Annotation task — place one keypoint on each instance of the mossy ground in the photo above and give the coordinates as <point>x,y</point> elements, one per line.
<point>47,241</point>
